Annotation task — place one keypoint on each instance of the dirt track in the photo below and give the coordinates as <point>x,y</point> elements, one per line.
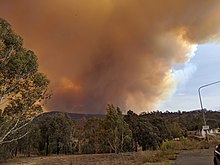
<point>195,157</point>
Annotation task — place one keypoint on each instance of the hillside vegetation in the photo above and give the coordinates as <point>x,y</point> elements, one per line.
<point>58,133</point>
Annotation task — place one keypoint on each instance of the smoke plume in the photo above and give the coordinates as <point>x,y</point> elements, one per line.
<point>97,52</point>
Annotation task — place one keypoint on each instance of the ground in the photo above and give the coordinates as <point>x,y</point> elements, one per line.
<point>90,159</point>
<point>187,157</point>
<point>195,157</point>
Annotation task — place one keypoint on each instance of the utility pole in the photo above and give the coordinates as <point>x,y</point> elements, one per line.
<point>201,104</point>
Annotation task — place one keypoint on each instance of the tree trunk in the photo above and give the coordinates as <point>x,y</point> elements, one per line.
<point>58,147</point>
<point>144,148</point>
<point>16,151</point>
<point>29,152</point>
<point>135,145</point>
<point>47,145</point>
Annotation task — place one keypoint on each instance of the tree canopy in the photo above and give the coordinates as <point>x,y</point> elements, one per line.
<point>22,86</point>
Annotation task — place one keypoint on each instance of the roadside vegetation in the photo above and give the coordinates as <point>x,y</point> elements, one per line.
<point>169,150</point>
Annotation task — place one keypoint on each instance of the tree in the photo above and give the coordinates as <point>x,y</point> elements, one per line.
<point>133,119</point>
<point>30,143</point>
<point>145,133</point>
<point>94,135</point>
<point>61,128</point>
<point>117,130</point>
<point>22,87</point>
<point>56,132</point>
<point>175,129</point>
<point>160,124</point>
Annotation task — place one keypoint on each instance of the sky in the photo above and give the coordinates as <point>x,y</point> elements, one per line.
<point>139,55</point>
<point>203,68</point>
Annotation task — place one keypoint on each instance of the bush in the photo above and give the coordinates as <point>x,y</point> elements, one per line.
<point>182,144</point>
<point>171,145</point>
<point>152,156</point>
<point>4,154</point>
<point>159,156</point>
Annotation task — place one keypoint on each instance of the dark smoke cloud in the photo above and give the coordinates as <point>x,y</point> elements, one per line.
<point>111,51</point>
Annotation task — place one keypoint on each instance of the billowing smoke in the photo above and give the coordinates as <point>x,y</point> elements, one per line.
<point>111,51</point>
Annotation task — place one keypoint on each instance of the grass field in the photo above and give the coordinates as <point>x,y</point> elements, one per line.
<point>89,159</point>
<point>165,156</point>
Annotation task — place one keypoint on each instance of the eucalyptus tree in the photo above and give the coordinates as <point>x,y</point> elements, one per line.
<point>22,86</point>
<point>94,135</point>
<point>118,133</point>
<point>56,133</point>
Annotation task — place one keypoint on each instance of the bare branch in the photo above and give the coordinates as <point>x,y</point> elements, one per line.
<point>2,101</point>
<point>9,141</point>
<point>17,129</point>
<point>6,91</point>
<point>7,57</point>
<point>14,129</point>
<point>9,132</point>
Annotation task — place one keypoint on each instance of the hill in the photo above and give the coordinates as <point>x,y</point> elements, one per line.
<point>73,116</point>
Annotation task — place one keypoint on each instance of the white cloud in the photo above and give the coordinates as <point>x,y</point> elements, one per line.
<point>201,69</point>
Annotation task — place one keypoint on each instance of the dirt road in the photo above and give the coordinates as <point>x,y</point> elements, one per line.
<point>195,157</point>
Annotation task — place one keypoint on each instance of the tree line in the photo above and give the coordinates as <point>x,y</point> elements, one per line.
<point>115,133</point>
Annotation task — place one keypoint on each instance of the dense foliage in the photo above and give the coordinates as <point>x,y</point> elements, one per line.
<point>22,87</point>
<point>22,90</point>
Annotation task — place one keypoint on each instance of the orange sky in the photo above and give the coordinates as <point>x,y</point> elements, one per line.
<point>111,51</point>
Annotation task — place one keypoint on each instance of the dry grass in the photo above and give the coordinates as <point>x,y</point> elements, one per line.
<point>90,159</point>
<point>143,157</point>
<point>165,156</point>
<point>170,150</point>
<point>139,158</point>
<point>159,157</point>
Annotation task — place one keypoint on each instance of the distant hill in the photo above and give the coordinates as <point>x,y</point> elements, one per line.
<point>73,116</point>
<point>191,120</point>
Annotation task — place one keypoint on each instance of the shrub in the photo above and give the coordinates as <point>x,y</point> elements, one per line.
<point>159,156</point>
<point>171,145</point>
<point>182,144</point>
